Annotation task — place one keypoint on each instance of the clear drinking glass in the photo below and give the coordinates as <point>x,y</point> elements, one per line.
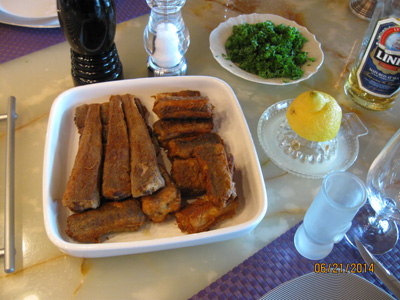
<point>376,228</point>
<point>330,214</point>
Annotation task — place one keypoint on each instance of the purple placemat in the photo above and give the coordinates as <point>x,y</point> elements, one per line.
<point>279,262</point>
<point>19,41</point>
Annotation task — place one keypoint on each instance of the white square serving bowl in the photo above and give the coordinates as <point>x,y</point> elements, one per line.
<point>62,144</point>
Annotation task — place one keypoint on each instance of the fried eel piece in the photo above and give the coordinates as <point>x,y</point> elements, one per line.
<point>141,108</point>
<point>185,147</point>
<point>188,176</point>
<point>83,186</point>
<point>80,116</point>
<point>183,93</point>
<point>166,130</point>
<point>146,177</point>
<point>163,202</point>
<point>116,170</point>
<point>214,164</point>
<point>91,225</point>
<point>178,107</point>
<point>202,214</point>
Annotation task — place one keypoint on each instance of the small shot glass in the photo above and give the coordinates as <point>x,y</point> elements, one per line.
<point>329,216</point>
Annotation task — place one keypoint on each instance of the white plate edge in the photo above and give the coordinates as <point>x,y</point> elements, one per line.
<point>219,50</point>
<point>51,22</point>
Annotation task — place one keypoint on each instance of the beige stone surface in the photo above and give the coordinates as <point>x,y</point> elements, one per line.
<point>44,272</point>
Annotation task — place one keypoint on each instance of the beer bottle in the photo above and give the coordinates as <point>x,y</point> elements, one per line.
<point>374,81</point>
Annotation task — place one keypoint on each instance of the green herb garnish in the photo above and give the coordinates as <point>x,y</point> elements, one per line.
<point>267,50</point>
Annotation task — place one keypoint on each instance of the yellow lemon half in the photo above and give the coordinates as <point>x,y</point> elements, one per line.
<point>315,116</point>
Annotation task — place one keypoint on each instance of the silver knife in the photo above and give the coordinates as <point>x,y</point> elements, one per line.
<point>379,270</point>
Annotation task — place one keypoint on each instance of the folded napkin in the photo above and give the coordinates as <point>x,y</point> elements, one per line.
<point>18,41</point>
<point>279,262</point>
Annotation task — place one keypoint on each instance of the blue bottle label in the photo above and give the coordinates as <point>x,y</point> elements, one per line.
<point>379,71</point>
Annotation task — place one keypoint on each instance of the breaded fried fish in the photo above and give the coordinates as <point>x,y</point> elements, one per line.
<point>188,176</point>
<point>146,177</point>
<point>185,147</point>
<point>83,186</point>
<point>214,164</point>
<point>166,130</point>
<point>163,202</point>
<point>179,107</point>
<point>91,225</point>
<point>202,214</point>
<point>116,171</point>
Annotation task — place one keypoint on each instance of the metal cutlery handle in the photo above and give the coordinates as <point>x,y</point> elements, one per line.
<point>9,245</point>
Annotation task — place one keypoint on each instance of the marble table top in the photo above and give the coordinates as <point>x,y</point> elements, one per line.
<point>36,79</point>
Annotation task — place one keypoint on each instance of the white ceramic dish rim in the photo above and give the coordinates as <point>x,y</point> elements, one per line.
<point>132,247</point>
<point>220,34</point>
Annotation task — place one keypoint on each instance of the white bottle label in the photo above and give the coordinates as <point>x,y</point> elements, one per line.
<point>379,71</point>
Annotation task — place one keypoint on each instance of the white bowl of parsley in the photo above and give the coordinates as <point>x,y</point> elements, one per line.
<point>267,49</point>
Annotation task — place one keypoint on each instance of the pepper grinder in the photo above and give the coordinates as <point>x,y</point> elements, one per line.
<point>166,38</point>
<point>89,27</point>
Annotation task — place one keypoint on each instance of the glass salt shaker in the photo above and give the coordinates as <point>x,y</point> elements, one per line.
<point>166,38</point>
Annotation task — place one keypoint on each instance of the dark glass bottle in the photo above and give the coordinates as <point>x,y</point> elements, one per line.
<point>89,27</point>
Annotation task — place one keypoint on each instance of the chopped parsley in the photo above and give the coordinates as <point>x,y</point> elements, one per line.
<point>267,50</point>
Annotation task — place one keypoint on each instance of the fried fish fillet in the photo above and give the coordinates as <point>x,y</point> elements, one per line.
<point>181,107</point>
<point>188,176</point>
<point>202,214</point>
<point>146,177</point>
<point>183,93</point>
<point>141,108</point>
<point>116,171</point>
<point>214,164</point>
<point>166,130</point>
<point>80,116</point>
<point>83,186</point>
<point>163,202</point>
<point>185,147</point>
<point>91,225</point>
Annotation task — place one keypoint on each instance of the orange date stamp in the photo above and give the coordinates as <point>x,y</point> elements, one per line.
<point>343,268</point>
